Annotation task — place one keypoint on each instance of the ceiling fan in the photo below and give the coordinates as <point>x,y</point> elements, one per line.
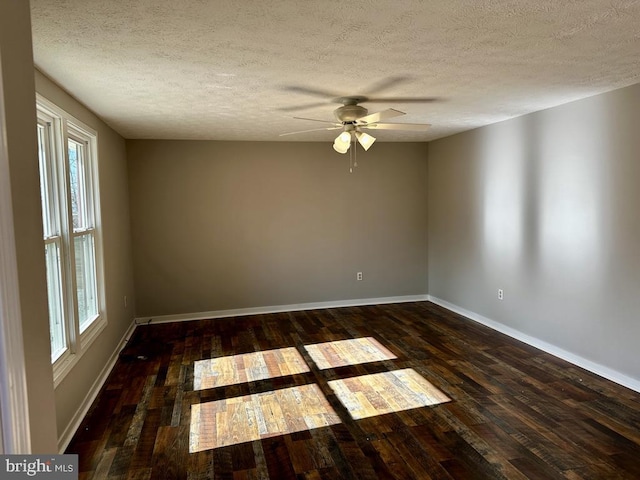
<point>352,118</point>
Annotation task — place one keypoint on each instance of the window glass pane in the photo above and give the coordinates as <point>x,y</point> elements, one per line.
<point>78,183</point>
<point>86,279</point>
<point>54,292</point>
<point>46,184</point>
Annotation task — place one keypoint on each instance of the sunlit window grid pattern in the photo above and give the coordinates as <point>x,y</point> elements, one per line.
<point>342,353</point>
<point>248,367</point>
<point>387,392</point>
<point>253,417</point>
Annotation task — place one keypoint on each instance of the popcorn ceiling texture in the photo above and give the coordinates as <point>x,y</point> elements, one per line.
<point>200,69</point>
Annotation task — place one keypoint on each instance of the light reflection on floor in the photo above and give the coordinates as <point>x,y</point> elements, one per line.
<point>232,370</point>
<point>278,412</point>
<point>252,417</point>
<point>341,353</point>
<point>381,393</point>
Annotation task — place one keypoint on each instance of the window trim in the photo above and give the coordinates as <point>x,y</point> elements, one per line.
<point>64,127</point>
<point>15,432</point>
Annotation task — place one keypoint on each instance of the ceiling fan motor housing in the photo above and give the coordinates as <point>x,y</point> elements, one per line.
<point>350,113</point>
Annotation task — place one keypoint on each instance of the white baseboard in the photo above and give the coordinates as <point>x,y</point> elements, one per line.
<point>72,427</point>
<point>279,308</point>
<point>606,372</point>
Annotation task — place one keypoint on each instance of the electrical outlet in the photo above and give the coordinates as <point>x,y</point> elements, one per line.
<point>359,276</point>
<point>500,294</point>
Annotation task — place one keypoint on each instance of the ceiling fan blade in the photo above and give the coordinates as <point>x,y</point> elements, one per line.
<point>383,115</point>
<point>316,120</point>
<point>310,91</point>
<point>397,126</point>
<point>307,106</point>
<point>385,84</point>
<point>312,130</point>
<point>404,100</point>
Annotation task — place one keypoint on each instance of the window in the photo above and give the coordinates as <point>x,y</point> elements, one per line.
<point>67,152</point>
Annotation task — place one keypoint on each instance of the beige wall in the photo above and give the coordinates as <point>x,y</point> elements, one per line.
<point>546,207</point>
<point>226,225</point>
<point>20,115</point>
<point>116,236</point>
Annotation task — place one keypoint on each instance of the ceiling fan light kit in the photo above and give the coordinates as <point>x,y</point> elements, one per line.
<point>342,143</point>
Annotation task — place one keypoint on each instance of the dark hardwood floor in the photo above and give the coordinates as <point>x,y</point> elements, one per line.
<point>515,412</point>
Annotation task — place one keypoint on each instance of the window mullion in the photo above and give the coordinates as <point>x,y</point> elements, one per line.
<point>66,215</point>
<point>63,231</point>
<point>61,193</point>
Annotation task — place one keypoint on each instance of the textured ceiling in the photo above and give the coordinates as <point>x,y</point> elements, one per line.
<point>200,69</point>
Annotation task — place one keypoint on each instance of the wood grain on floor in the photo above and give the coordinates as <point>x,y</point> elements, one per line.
<point>248,367</point>
<point>386,392</point>
<point>260,415</point>
<point>514,412</point>
<point>342,353</point>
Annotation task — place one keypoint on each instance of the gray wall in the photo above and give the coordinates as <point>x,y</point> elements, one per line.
<point>118,269</point>
<point>20,115</point>
<point>226,225</point>
<point>547,207</point>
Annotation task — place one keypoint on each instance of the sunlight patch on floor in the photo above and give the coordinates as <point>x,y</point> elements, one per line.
<point>235,369</point>
<point>388,392</point>
<point>278,412</point>
<point>253,417</point>
<point>342,353</point>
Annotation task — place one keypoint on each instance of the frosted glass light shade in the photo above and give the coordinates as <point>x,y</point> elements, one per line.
<point>345,137</point>
<point>342,142</point>
<point>365,140</point>
<point>341,147</point>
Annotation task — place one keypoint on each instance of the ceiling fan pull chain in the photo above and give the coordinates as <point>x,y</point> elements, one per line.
<point>350,161</point>
<point>355,151</point>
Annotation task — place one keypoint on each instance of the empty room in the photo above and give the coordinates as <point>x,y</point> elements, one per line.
<point>321,240</point>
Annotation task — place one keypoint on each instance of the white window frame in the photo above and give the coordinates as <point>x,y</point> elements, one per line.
<point>63,127</point>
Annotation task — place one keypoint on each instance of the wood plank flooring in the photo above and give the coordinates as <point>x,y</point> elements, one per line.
<point>386,392</point>
<point>342,353</point>
<point>260,415</point>
<point>514,412</point>
<point>247,367</point>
